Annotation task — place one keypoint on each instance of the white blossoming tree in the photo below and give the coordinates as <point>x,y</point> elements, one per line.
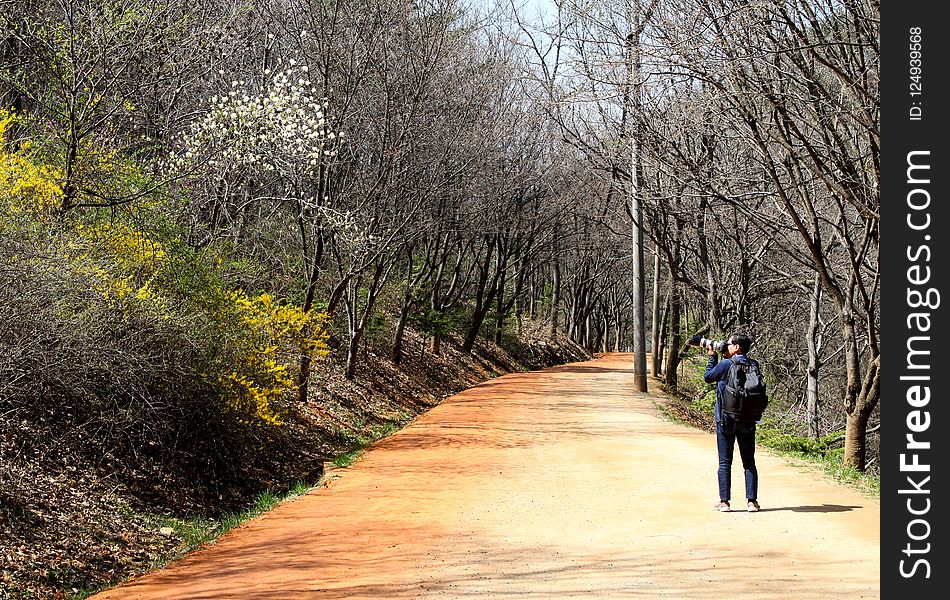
<point>281,130</point>
<point>266,153</point>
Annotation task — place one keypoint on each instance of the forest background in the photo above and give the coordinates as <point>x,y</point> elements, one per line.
<point>229,230</point>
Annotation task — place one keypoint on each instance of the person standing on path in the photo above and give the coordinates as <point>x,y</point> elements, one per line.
<point>729,430</point>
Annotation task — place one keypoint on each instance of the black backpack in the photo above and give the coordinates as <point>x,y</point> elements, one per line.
<point>744,398</point>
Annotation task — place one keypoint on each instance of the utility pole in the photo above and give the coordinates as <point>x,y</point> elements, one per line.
<point>632,101</point>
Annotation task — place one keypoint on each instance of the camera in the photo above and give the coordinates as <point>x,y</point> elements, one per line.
<point>719,346</point>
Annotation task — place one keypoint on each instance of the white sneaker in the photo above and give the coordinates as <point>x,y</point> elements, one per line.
<point>752,506</point>
<point>722,506</point>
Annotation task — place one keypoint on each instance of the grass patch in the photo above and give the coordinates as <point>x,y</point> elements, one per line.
<point>374,434</point>
<point>299,489</point>
<point>193,531</point>
<point>684,413</point>
<point>196,531</point>
<point>668,413</point>
<point>348,458</point>
<point>378,432</point>
<point>824,452</point>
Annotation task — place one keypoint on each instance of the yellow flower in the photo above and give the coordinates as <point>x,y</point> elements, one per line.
<point>26,186</point>
<point>276,334</point>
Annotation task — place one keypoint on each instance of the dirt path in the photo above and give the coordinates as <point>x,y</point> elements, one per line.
<point>556,484</point>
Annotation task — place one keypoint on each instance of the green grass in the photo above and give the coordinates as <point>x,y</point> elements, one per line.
<point>666,412</point>
<point>824,452</point>
<point>299,489</point>
<point>348,458</point>
<point>375,433</point>
<point>195,531</point>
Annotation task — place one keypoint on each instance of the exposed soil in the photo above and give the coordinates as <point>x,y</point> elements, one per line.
<point>555,484</point>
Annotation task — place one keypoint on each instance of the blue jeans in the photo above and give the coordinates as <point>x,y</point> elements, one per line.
<point>728,431</point>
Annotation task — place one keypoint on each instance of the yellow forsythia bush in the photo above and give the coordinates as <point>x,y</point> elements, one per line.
<point>259,340</point>
<point>26,185</point>
<point>276,334</point>
<point>123,265</point>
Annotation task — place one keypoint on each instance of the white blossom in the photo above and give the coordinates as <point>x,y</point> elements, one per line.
<point>282,128</point>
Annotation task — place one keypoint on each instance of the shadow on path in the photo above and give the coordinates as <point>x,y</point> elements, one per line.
<point>824,508</point>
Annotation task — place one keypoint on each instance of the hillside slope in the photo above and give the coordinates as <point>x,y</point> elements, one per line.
<point>73,519</point>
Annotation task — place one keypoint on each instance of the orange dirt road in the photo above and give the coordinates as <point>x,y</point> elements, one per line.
<point>563,483</point>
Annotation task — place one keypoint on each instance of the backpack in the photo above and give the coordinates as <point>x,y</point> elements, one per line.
<point>744,398</point>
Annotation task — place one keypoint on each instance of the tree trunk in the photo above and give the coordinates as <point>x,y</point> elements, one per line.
<point>859,408</point>
<point>303,377</point>
<point>813,360</point>
<point>12,97</point>
<point>555,300</point>
<point>478,317</point>
<point>673,355</point>
<point>407,303</point>
<point>665,321</point>
<point>855,444</point>
<point>657,328</point>
<point>532,300</point>
<point>714,317</point>
<point>618,328</point>
<point>399,335</point>
<point>519,316</point>
<point>484,293</point>
<point>359,318</point>
<point>499,313</point>
<point>351,353</point>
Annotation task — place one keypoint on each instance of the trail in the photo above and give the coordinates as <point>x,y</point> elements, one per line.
<point>563,483</point>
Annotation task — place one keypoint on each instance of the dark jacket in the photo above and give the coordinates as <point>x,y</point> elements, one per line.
<point>716,372</point>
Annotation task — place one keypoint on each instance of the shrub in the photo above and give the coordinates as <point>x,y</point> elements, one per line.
<point>272,337</point>
<point>820,447</point>
<point>26,185</point>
